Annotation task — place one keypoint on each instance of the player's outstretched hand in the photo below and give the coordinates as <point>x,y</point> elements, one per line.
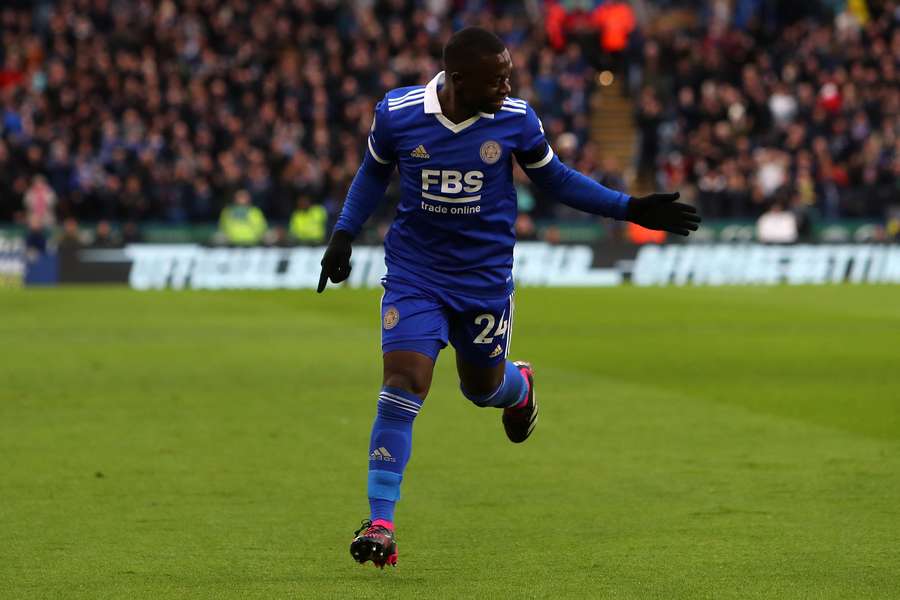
<point>336,262</point>
<point>660,211</point>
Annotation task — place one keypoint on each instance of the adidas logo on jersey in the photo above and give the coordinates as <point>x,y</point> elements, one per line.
<point>382,454</point>
<point>497,351</point>
<point>420,152</point>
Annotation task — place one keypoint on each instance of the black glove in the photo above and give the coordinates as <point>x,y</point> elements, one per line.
<point>660,211</point>
<point>336,262</point>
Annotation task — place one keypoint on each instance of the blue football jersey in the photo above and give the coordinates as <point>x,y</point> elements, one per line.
<point>454,227</point>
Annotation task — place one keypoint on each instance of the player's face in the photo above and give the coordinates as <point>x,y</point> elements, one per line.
<point>487,84</point>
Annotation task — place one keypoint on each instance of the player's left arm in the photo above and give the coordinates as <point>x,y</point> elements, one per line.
<point>543,167</point>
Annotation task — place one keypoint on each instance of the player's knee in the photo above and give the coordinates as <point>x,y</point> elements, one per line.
<point>480,391</point>
<point>411,382</point>
<point>408,371</point>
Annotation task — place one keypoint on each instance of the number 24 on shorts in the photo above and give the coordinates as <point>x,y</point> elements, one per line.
<point>488,321</point>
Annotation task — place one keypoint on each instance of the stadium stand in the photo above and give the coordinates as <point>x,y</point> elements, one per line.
<point>160,111</point>
<point>746,110</point>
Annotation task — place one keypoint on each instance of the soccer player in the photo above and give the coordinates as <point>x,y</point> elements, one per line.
<point>449,252</point>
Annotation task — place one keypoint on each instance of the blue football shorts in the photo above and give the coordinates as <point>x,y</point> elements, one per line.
<point>423,319</point>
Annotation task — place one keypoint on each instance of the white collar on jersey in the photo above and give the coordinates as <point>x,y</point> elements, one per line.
<point>433,106</point>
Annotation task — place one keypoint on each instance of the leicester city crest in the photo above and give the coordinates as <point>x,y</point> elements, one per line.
<point>391,317</point>
<point>490,152</point>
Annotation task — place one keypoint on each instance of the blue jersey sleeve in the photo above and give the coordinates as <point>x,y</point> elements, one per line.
<point>533,145</point>
<point>381,142</point>
<point>571,187</point>
<point>372,178</point>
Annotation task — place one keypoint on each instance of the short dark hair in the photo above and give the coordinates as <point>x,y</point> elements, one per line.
<point>467,46</point>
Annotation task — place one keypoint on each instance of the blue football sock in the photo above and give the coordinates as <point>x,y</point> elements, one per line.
<point>512,390</point>
<point>390,448</point>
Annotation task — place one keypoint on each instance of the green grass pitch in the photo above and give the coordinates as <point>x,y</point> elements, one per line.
<point>693,443</point>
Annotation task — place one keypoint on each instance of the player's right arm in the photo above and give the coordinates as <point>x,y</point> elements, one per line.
<point>543,167</point>
<point>365,193</point>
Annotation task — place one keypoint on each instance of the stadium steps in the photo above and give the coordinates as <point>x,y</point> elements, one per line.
<point>613,130</point>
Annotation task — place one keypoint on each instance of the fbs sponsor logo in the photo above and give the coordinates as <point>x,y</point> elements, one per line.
<point>420,152</point>
<point>497,352</point>
<point>382,454</point>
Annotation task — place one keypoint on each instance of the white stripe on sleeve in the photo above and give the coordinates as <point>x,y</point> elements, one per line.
<point>543,161</point>
<point>375,154</point>
<point>406,96</point>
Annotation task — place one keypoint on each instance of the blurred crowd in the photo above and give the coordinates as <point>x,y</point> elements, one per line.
<point>171,111</point>
<point>801,117</point>
<point>252,115</point>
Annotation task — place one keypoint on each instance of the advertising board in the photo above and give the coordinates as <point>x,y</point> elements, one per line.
<point>191,266</point>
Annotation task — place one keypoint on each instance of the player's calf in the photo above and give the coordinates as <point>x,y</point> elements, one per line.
<point>515,395</point>
<point>519,420</point>
<point>512,390</point>
<point>390,447</point>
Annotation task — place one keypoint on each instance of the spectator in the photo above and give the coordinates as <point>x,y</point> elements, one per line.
<point>552,235</point>
<point>148,111</point>
<point>71,239</point>
<point>155,111</point>
<point>893,227</point>
<point>649,117</point>
<point>241,223</point>
<point>812,102</point>
<point>777,226</point>
<point>36,238</point>
<point>615,21</point>
<point>636,234</point>
<point>105,237</point>
<point>308,222</point>
<point>40,203</point>
<point>525,227</point>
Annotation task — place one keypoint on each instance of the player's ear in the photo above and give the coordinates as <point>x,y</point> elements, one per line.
<point>456,77</point>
